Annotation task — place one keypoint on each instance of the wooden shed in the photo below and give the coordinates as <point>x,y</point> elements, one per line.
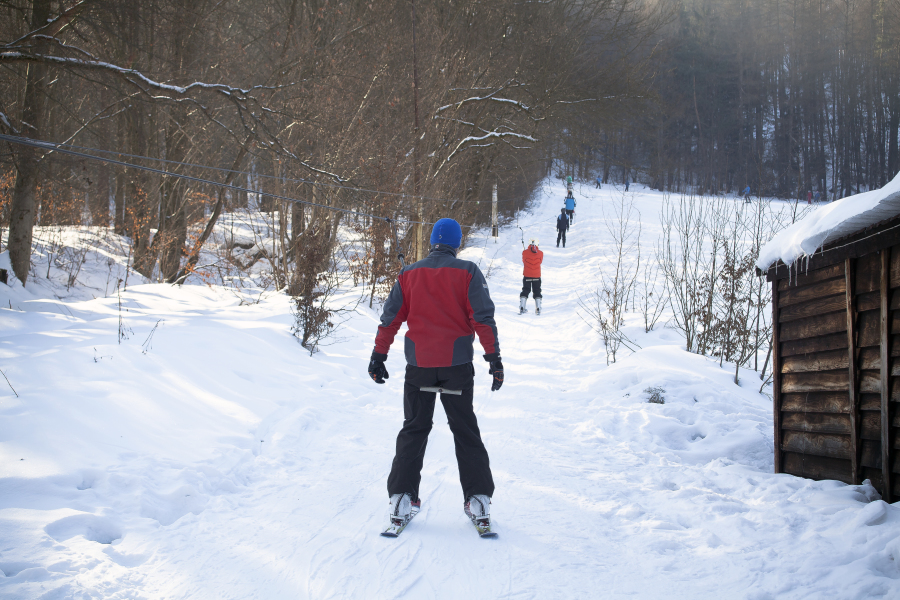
<point>836,359</point>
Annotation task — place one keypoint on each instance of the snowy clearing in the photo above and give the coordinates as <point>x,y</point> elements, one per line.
<point>209,456</point>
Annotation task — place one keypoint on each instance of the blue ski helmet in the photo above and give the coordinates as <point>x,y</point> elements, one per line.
<point>446,231</point>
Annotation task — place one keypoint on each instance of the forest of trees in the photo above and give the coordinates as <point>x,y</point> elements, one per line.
<point>424,104</point>
<point>786,96</point>
<point>413,110</point>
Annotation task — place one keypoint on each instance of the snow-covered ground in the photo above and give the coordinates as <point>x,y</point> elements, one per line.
<point>209,456</point>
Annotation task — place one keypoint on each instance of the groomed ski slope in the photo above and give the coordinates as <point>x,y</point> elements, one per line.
<point>225,462</point>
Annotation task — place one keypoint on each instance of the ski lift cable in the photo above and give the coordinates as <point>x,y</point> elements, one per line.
<point>58,146</point>
<point>61,150</point>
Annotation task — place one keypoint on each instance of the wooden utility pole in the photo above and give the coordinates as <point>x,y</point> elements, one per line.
<point>495,230</point>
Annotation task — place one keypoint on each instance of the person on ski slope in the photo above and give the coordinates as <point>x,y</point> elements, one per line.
<point>626,184</point>
<point>532,257</point>
<point>569,184</point>
<point>562,226</point>
<point>746,194</point>
<point>445,302</point>
<point>599,183</point>
<point>570,207</point>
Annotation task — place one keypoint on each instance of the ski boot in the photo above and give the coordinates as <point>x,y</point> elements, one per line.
<point>403,509</point>
<point>478,509</point>
<point>522,309</point>
<point>537,307</point>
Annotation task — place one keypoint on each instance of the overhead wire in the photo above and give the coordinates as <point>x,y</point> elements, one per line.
<point>57,146</point>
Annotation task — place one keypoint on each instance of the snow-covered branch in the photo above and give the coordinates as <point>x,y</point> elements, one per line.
<point>65,46</point>
<point>7,123</point>
<point>241,98</point>
<point>497,135</point>
<point>492,97</point>
<point>460,121</point>
<point>489,98</point>
<point>132,75</point>
<point>594,99</point>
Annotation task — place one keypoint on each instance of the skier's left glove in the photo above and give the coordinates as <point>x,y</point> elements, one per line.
<point>496,369</point>
<point>377,371</point>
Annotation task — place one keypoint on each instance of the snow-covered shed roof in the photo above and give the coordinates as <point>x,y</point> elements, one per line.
<point>831,222</point>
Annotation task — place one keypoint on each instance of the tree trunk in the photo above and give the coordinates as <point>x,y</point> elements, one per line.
<point>99,197</point>
<point>141,209</point>
<point>24,206</point>
<point>194,255</point>
<point>172,233</point>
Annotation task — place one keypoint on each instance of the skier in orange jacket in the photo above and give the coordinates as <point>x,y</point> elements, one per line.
<point>532,257</point>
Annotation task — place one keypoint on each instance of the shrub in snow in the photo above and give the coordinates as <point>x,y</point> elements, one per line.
<point>315,280</point>
<point>707,253</point>
<point>606,305</point>
<point>655,395</point>
<point>312,320</point>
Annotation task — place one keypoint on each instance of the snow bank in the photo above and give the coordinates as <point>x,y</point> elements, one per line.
<point>830,222</point>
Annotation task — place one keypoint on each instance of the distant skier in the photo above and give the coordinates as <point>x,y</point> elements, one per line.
<point>809,196</point>
<point>746,194</point>
<point>599,183</point>
<point>570,208</point>
<point>568,184</point>
<point>817,197</point>
<point>562,226</point>
<point>532,257</point>
<point>626,184</point>
<point>445,303</point>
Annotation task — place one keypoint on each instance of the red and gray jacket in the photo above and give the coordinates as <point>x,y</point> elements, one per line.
<point>445,302</point>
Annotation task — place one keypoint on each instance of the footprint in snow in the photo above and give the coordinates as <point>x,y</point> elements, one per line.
<point>168,508</point>
<point>93,528</point>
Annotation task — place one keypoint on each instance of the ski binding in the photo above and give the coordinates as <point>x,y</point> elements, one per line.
<point>483,525</point>
<point>397,525</point>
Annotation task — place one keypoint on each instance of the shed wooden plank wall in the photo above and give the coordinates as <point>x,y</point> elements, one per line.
<point>837,361</point>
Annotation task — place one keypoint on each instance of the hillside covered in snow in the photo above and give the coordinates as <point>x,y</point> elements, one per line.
<point>177,442</point>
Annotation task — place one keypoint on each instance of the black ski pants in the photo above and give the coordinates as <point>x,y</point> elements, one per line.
<point>529,284</point>
<point>418,412</point>
<point>561,235</point>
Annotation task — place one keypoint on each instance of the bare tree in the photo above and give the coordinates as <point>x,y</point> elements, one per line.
<point>606,306</point>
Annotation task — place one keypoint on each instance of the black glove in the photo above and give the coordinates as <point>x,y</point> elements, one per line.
<point>496,369</point>
<point>377,370</point>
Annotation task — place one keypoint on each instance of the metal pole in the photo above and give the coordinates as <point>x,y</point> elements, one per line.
<point>495,230</point>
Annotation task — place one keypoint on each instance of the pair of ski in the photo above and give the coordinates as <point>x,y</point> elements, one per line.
<point>396,526</point>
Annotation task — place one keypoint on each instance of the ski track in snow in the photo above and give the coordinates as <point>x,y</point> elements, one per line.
<point>228,463</point>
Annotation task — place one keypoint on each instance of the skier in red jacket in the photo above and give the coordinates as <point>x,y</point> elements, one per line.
<point>445,303</point>
<point>532,257</point>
